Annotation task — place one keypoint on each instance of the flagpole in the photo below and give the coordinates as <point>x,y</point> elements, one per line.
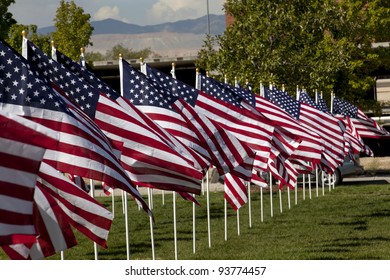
<point>124,194</point>
<point>288,197</point>
<point>151,225</point>
<point>175,223</point>
<point>127,228</point>
<point>309,185</point>
<point>249,205</point>
<point>193,227</point>
<point>316,100</point>
<point>92,183</point>
<point>280,201</point>
<point>225,211</point>
<point>261,205</point>
<point>270,195</point>
<point>238,222</point>
<point>208,207</point>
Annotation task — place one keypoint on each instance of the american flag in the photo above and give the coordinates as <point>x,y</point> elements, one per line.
<point>98,83</point>
<point>233,121</point>
<point>235,191</point>
<point>283,143</point>
<point>326,126</point>
<point>228,154</point>
<point>192,96</point>
<point>22,148</point>
<point>55,233</point>
<point>148,159</point>
<point>366,127</point>
<point>310,148</point>
<point>60,204</point>
<point>352,141</point>
<point>81,148</point>
<point>217,104</point>
<point>332,132</point>
<point>152,99</point>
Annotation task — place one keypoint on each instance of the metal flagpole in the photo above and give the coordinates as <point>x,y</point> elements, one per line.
<point>270,195</point>
<point>175,223</point>
<point>238,222</point>
<point>296,193</point>
<point>249,205</point>
<point>316,100</point>
<point>208,207</point>
<point>92,183</point>
<point>193,227</point>
<point>261,205</point>
<point>308,176</point>
<point>288,197</point>
<point>124,194</point>
<point>304,187</point>
<point>151,225</point>
<point>280,201</point>
<point>225,211</point>
<point>127,228</point>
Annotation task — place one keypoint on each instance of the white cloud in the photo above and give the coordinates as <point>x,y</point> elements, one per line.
<point>174,10</point>
<point>106,12</point>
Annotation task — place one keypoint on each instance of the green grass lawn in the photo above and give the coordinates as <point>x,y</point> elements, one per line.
<point>351,222</point>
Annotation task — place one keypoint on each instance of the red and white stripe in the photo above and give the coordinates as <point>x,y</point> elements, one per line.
<point>228,154</point>
<point>235,191</point>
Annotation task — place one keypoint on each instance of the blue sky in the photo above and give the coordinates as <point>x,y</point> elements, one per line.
<point>141,12</point>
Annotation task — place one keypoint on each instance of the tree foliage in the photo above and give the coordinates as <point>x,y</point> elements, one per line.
<point>6,18</point>
<point>319,45</point>
<point>15,37</point>
<point>73,29</point>
<point>113,54</point>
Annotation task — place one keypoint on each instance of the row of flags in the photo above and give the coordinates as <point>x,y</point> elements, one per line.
<point>158,132</point>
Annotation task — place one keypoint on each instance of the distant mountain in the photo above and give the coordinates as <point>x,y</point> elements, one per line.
<point>195,26</point>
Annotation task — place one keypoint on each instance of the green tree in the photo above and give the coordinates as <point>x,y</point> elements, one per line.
<point>323,45</point>
<point>6,18</point>
<point>73,29</point>
<point>127,53</point>
<point>15,37</point>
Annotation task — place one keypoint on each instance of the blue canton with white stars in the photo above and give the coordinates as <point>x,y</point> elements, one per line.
<point>175,87</point>
<point>21,84</point>
<point>321,105</point>
<point>139,89</point>
<point>90,77</point>
<point>344,108</point>
<point>225,92</point>
<point>284,101</point>
<point>73,87</point>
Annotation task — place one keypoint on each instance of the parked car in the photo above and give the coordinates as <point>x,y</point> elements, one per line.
<point>349,168</point>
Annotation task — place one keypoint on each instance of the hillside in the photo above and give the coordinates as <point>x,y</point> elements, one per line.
<point>171,39</point>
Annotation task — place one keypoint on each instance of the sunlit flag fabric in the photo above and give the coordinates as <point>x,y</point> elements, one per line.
<point>249,131</point>
<point>353,142</point>
<point>283,143</point>
<point>22,148</point>
<point>81,149</point>
<point>99,84</point>
<point>60,204</point>
<point>55,232</point>
<point>366,127</point>
<point>226,152</point>
<point>255,131</point>
<point>149,160</point>
<point>198,161</point>
<point>331,130</point>
<point>311,148</point>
